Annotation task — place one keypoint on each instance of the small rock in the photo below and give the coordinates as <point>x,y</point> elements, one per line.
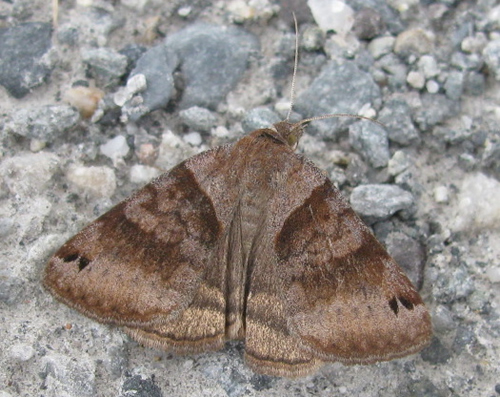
<point>98,181</point>
<point>441,194</point>
<point>398,163</point>
<point>22,57</point>
<point>381,46</point>
<point>474,83</point>
<point>339,88</point>
<point>332,15</point>
<point>475,43</point>
<point>368,24</point>
<point>212,60</point>
<point>313,39</point>
<point>428,65</point>
<point>142,174</point>
<point>85,99</point>
<point>378,202</point>
<point>260,117</point>
<point>466,61</point>
<point>136,386</point>
<point>106,65</point>
<point>115,148</point>
<point>454,85</point>
<point>370,140</point>
<point>432,86</point>
<point>198,118</point>
<point>157,66</point>
<point>193,138</point>
<point>44,123</point>
<point>477,205</point>
<point>491,54</point>
<point>493,273</point>
<point>416,79</point>
<point>396,116</point>
<point>27,174</point>
<point>414,41</point>
<point>136,83</point>
<point>434,110</point>
<point>22,352</point>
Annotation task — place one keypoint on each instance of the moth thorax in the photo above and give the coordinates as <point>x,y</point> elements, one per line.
<point>289,132</point>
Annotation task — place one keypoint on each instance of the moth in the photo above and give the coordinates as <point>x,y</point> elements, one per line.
<point>247,241</point>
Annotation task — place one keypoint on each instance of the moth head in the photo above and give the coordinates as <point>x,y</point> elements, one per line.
<point>289,133</point>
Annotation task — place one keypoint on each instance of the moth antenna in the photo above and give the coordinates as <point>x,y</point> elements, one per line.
<point>295,65</point>
<point>334,115</point>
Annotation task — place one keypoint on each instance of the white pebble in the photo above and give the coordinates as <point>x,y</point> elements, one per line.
<point>493,273</point>
<point>115,148</point>
<point>193,138</point>
<point>332,15</point>
<point>416,79</point>
<point>432,86</point>
<point>142,174</point>
<point>22,352</point>
<point>98,181</point>
<point>441,194</point>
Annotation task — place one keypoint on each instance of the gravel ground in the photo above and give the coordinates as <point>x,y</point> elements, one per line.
<point>96,105</point>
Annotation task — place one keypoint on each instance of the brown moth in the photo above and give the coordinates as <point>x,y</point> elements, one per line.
<point>246,241</point>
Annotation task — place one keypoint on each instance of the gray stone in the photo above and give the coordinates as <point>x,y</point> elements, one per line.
<point>389,16</point>
<point>396,116</point>
<point>22,51</point>
<point>454,85</point>
<point>339,88</point>
<point>199,119</point>
<point>135,386</point>
<point>368,23</point>
<point>45,123</point>
<point>157,65</point>
<point>378,202</point>
<point>259,118</point>
<point>436,108</point>
<point>105,65</point>
<point>370,140</point>
<point>466,61</point>
<point>491,54</point>
<point>212,60</point>
<point>474,83</point>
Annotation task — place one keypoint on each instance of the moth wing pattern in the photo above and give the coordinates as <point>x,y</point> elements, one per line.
<point>143,264</point>
<point>326,290</point>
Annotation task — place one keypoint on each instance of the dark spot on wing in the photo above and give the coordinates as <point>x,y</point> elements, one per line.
<point>393,304</point>
<point>406,302</point>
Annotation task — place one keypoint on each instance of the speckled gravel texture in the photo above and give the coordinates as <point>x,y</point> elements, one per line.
<point>428,183</point>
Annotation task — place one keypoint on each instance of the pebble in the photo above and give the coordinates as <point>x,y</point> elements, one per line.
<point>398,163</point>
<point>370,140</point>
<point>475,43</point>
<point>212,60</point>
<point>474,83</point>
<point>454,85</point>
<point>416,79</point>
<point>332,15</point>
<point>198,118</point>
<point>97,181</point>
<point>396,115</point>
<point>260,117</point>
<point>142,174</point>
<point>339,88</point>
<point>428,65</point>
<point>85,99</point>
<point>378,202</point>
<point>368,23</point>
<point>193,138</point>
<point>435,108</point>
<point>381,46</point>
<point>44,123</point>
<point>491,54</point>
<point>136,83</point>
<point>416,41</point>
<point>106,65</point>
<point>115,148</point>
<point>137,386</point>
<point>27,174</point>
<point>157,67</point>
<point>467,214</point>
<point>21,352</point>
<point>441,194</point>
<point>432,86</point>
<point>22,49</point>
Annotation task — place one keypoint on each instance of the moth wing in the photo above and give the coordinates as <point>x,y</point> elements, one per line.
<point>323,288</point>
<point>150,263</point>
<point>347,299</point>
